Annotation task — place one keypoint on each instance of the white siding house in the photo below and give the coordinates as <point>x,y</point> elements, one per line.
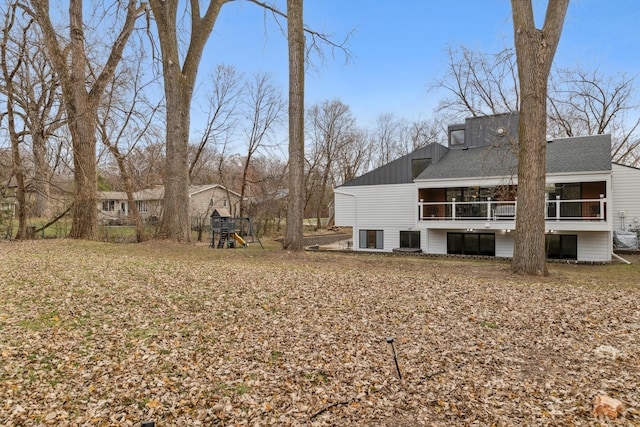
<point>390,208</point>
<point>626,207</point>
<point>462,198</point>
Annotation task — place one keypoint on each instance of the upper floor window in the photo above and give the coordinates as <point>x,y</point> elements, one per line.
<point>418,166</point>
<point>456,137</point>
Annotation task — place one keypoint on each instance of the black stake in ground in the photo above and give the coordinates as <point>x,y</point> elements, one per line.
<point>148,424</point>
<point>395,359</point>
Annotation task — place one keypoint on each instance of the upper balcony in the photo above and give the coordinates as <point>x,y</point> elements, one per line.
<point>478,210</point>
<point>568,206</point>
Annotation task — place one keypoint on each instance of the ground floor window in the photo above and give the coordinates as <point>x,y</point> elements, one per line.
<point>471,244</point>
<point>561,246</point>
<point>410,239</point>
<point>371,239</point>
<point>142,206</point>
<point>108,205</point>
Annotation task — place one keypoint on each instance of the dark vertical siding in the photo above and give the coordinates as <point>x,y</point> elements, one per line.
<point>398,171</point>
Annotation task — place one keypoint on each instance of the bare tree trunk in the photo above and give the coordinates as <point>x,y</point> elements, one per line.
<point>323,186</point>
<point>81,121</point>
<point>19,174</point>
<point>178,86</point>
<point>84,223</point>
<point>81,104</point>
<point>16,161</point>
<point>322,193</point>
<point>41,172</point>
<point>175,216</point>
<point>535,50</point>
<point>243,185</point>
<point>123,119</point>
<point>263,109</point>
<point>38,96</point>
<point>141,236</point>
<point>295,211</point>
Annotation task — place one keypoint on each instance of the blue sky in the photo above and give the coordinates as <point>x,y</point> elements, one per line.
<point>399,47</point>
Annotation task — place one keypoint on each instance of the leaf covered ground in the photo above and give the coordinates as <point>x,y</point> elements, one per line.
<point>100,334</point>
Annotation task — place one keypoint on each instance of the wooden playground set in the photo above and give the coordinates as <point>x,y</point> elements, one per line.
<point>231,232</point>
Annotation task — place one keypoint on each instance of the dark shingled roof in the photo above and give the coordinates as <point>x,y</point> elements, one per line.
<point>473,162</point>
<point>577,154</point>
<point>489,150</point>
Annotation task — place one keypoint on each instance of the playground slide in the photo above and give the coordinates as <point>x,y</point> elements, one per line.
<point>239,239</point>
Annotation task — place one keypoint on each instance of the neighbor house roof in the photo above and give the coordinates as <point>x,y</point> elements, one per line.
<point>195,189</point>
<point>577,154</point>
<point>112,195</point>
<point>157,192</point>
<point>153,193</point>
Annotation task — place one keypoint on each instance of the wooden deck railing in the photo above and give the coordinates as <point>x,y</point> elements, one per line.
<point>496,210</point>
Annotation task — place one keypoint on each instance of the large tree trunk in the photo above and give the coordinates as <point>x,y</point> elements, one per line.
<point>535,50</point>
<point>529,251</point>
<point>84,223</point>
<point>178,86</point>
<point>81,104</point>
<point>82,126</point>
<point>175,216</point>
<point>295,211</point>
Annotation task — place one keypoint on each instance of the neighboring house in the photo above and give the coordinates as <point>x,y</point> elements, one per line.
<point>113,206</point>
<point>7,207</point>
<point>461,198</point>
<point>7,200</point>
<point>149,203</point>
<point>203,199</point>
<point>60,196</point>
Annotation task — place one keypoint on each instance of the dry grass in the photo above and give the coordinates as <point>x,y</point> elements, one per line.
<point>107,335</point>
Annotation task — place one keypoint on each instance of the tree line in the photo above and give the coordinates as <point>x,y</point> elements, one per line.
<point>240,144</point>
<point>115,114</point>
<point>88,69</point>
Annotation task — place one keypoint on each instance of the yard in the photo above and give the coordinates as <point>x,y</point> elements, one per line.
<point>103,334</point>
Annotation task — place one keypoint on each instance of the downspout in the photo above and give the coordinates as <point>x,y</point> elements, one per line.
<point>620,258</point>
<point>356,232</point>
